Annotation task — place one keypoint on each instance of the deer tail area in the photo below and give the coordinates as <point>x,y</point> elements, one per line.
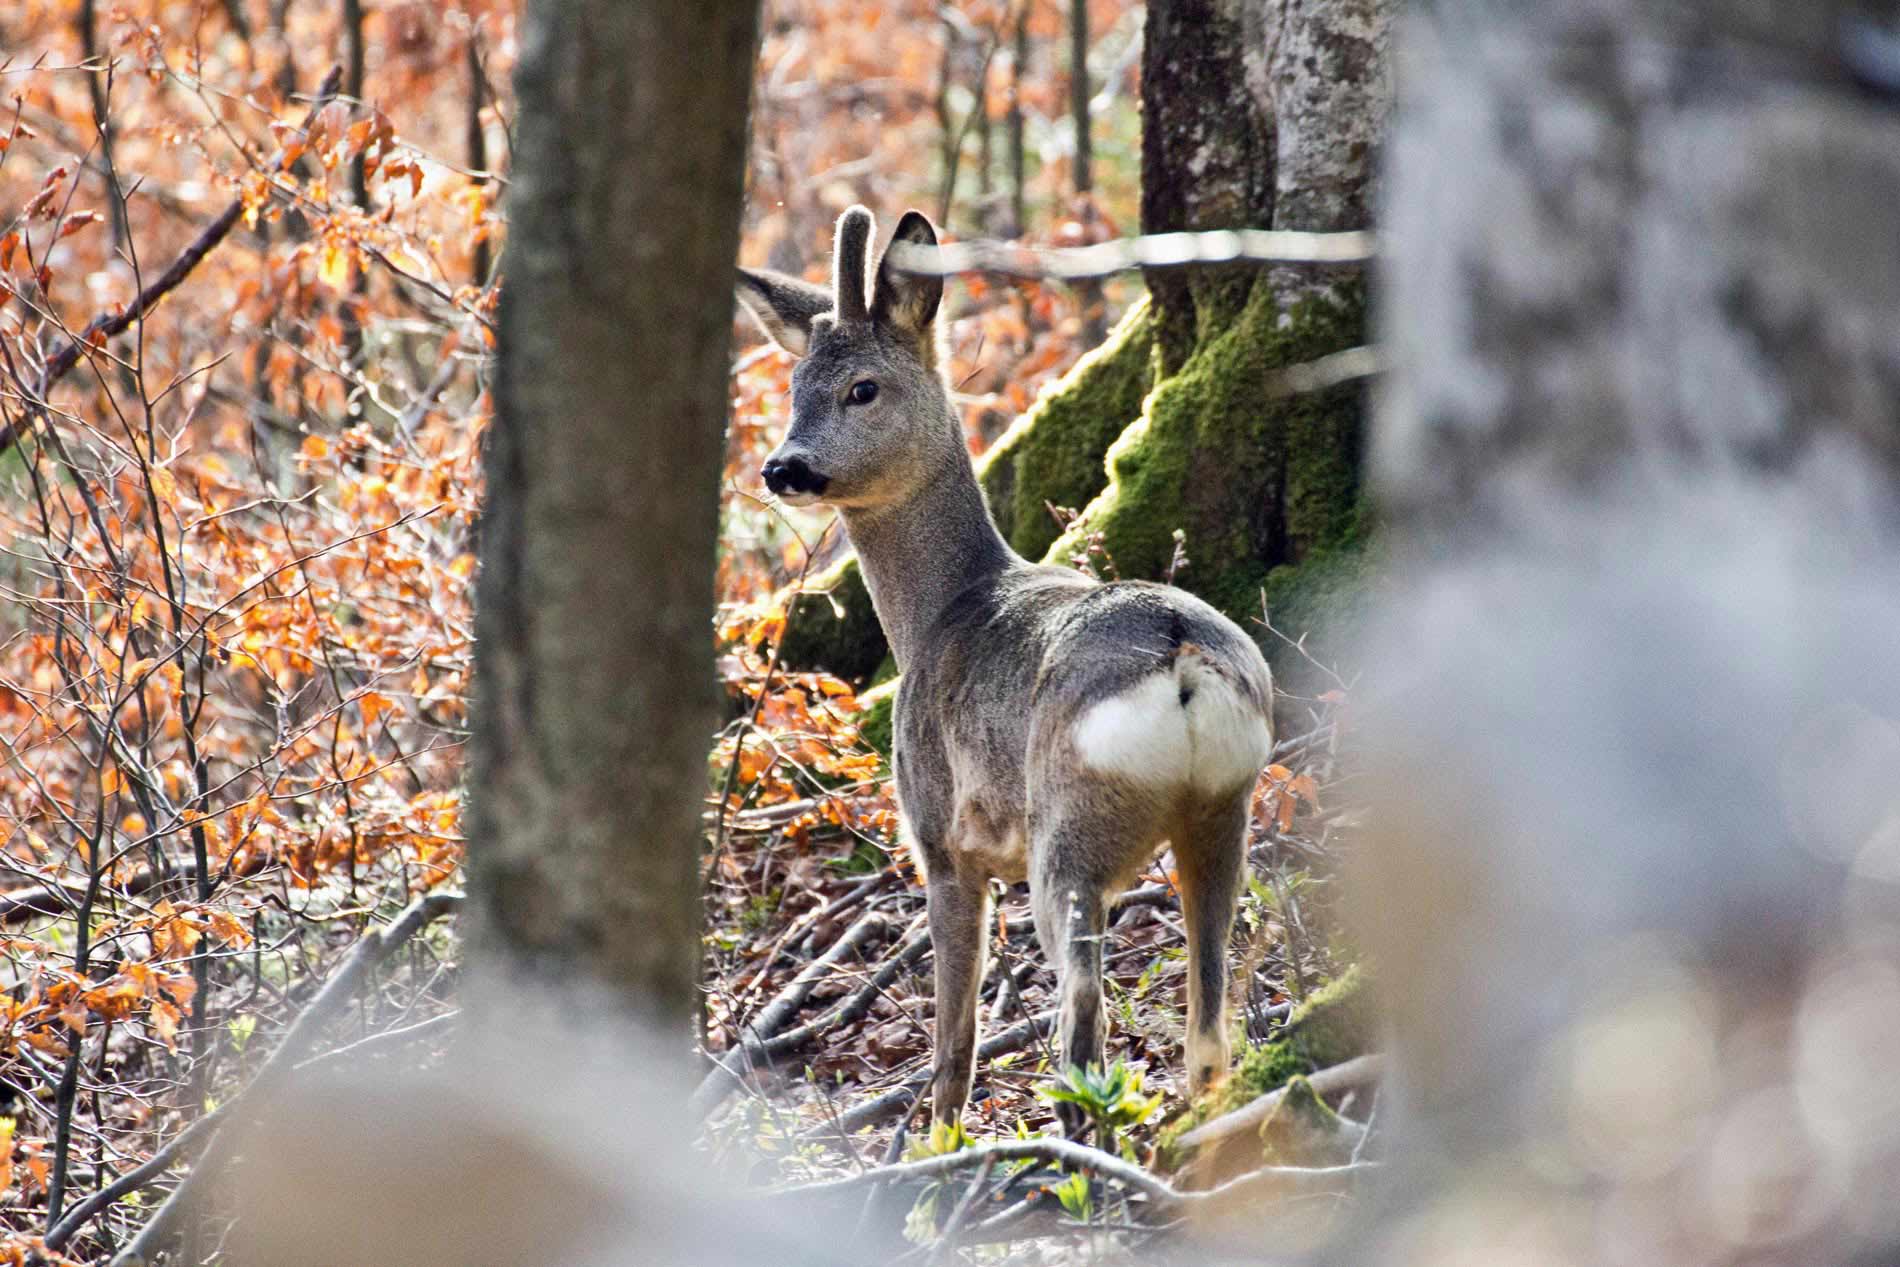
<point>1188,725</point>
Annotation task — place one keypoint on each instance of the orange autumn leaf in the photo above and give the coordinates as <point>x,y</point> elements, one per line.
<point>165,1022</point>
<point>229,929</point>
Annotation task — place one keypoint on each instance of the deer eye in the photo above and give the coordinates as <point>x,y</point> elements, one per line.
<point>863,392</point>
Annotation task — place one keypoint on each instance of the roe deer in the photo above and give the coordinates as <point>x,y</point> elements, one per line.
<point>1047,727</point>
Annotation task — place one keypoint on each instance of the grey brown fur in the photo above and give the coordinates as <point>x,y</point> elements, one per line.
<point>1048,728</point>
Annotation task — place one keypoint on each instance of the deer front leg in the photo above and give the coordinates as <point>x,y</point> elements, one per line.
<point>959,915</point>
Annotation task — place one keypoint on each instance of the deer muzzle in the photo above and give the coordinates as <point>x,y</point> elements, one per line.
<point>792,479</point>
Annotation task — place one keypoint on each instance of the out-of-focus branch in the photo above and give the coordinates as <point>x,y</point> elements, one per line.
<point>1349,366</point>
<point>1155,250</point>
<point>1249,1116</point>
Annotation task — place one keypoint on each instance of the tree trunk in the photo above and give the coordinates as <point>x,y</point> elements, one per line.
<point>1252,113</point>
<point>1018,66</point>
<point>1717,281</point>
<point>1642,457</point>
<point>1088,294</point>
<point>1206,153</point>
<point>595,682</point>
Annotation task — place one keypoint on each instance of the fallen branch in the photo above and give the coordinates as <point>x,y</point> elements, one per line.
<point>1163,1197</point>
<point>184,1145</point>
<point>1155,250</point>
<point>901,1098</point>
<point>1065,1152</point>
<point>1249,1116</point>
<point>723,1081</point>
<point>807,924</point>
<point>777,1014</point>
<point>374,946</point>
<point>109,325</point>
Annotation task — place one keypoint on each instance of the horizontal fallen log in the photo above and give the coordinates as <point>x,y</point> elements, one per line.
<point>1248,1117</point>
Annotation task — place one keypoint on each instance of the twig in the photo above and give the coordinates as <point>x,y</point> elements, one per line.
<point>1156,250</point>
<point>723,1081</point>
<point>374,946</point>
<point>902,1098</point>
<point>752,720</point>
<point>779,1012</point>
<point>1249,1116</point>
<point>108,325</point>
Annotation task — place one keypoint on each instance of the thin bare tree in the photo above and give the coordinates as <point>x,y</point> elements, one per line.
<point>595,694</point>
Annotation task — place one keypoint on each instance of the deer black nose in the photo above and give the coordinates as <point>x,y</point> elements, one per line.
<point>792,475</point>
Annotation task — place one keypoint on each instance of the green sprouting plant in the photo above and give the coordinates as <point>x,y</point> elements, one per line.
<point>1111,1100</point>
<point>1076,1197</point>
<point>759,909</point>
<point>920,1225</point>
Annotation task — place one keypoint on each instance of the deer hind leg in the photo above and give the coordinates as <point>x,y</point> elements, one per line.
<point>1070,898</point>
<point>959,917</point>
<point>1210,857</point>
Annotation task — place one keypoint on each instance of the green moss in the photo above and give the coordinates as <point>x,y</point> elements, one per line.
<point>1256,484</point>
<point>1335,1024</point>
<point>833,626</point>
<point>874,723</point>
<point>1321,599</point>
<point>1052,455</point>
<point>1303,1130</point>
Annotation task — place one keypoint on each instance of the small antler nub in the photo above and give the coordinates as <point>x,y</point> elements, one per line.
<point>848,272</point>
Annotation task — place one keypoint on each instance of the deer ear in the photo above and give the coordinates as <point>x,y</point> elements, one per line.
<point>783,306</point>
<point>907,301</point>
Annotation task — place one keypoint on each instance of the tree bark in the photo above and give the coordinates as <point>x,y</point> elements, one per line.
<point>595,684</point>
<point>1712,277</point>
<point>1206,147</point>
<point>1079,95</point>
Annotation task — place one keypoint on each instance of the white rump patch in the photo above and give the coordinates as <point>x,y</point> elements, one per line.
<point>1215,742</point>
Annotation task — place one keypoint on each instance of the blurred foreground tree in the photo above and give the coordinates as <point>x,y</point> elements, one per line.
<point>596,674</point>
<point>1643,458</point>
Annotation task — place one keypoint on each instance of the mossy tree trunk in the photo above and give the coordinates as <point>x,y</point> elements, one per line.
<point>1255,113</point>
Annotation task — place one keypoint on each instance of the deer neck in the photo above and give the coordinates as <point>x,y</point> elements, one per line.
<point>919,553</point>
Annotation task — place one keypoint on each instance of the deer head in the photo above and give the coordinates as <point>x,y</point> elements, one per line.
<point>871,415</point>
